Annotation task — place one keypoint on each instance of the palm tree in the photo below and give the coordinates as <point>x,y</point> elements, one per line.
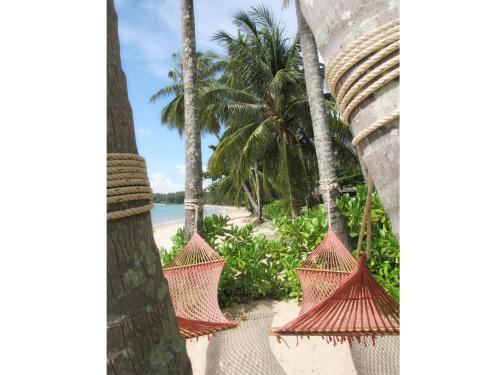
<point>379,159</point>
<point>194,178</point>
<point>209,66</point>
<point>321,126</point>
<point>142,334</point>
<point>261,99</point>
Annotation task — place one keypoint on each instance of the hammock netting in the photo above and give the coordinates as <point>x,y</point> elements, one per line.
<point>323,271</point>
<point>358,309</point>
<point>193,278</point>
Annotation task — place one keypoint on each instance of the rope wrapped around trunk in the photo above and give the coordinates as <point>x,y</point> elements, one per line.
<point>127,181</point>
<point>361,61</point>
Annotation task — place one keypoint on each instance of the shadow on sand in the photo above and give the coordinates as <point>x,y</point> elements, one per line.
<point>244,350</point>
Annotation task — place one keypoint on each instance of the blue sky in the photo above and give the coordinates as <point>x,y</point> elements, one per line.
<point>149,33</point>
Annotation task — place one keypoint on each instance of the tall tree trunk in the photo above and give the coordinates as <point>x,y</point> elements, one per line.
<point>142,334</point>
<point>335,25</point>
<point>257,191</point>
<point>294,193</point>
<point>194,179</point>
<point>321,127</point>
<point>250,198</point>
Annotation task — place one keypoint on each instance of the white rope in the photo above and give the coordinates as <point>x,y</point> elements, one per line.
<point>364,77</point>
<point>328,186</point>
<point>193,204</point>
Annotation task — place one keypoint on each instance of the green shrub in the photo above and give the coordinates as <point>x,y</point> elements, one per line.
<point>259,268</point>
<point>276,209</point>
<point>304,232</point>
<point>384,255</point>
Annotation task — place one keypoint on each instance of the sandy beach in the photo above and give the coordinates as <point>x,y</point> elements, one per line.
<point>163,232</point>
<point>249,350</point>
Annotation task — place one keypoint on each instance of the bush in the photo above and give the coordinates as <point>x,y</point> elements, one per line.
<point>259,268</point>
<point>276,209</point>
<point>384,255</point>
<point>304,232</point>
<point>255,267</point>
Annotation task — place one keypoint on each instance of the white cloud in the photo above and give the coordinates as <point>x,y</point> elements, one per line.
<point>160,183</point>
<point>154,33</point>
<point>142,131</point>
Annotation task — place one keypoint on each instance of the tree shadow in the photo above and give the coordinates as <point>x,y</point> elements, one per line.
<point>379,359</point>
<point>246,349</point>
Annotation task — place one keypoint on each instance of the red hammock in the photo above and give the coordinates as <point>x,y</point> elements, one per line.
<point>323,270</point>
<point>193,277</point>
<point>357,309</point>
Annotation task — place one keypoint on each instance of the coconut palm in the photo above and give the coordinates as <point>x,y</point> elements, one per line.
<point>321,125</point>
<point>209,67</point>
<point>333,32</point>
<point>142,334</point>
<point>262,100</point>
<point>193,181</point>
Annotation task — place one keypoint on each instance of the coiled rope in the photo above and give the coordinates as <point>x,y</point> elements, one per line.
<point>127,181</point>
<point>365,79</point>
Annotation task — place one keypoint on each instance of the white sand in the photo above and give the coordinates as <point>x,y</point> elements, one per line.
<point>249,350</point>
<point>163,232</point>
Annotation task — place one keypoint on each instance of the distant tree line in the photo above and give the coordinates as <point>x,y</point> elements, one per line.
<point>210,196</point>
<point>169,198</point>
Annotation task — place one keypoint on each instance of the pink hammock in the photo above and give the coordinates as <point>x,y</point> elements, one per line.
<point>193,278</point>
<point>358,309</point>
<point>324,270</point>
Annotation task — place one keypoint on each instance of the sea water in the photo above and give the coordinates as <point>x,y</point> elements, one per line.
<point>168,212</point>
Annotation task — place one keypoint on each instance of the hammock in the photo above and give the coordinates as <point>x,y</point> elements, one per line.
<point>193,277</point>
<point>323,271</point>
<point>359,308</point>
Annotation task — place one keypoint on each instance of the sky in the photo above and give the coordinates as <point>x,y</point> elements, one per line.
<point>149,32</point>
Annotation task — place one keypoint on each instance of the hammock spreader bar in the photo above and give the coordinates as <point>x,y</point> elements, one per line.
<point>194,328</point>
<point>359,308</point>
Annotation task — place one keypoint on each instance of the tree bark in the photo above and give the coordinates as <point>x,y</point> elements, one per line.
<point>321,127</point>
<point>250,198</point>
<point>257,192</point>
<point>335,25</point>
<point>194,179</point>
<point>142,334</point>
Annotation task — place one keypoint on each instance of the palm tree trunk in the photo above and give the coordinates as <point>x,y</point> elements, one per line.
<point>292,185</point>
<point>257,191</point>
<point>250,198</point>
<point>321,127</point>
<point>335,25</point>
<point>142,334</point>
<point>193,183</point>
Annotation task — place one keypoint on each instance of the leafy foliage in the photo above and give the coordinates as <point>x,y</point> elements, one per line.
<point>209,68</point>
<point>261,98</point>
<point>172,198</point>
<point>384,256</point>
<point>260,268</point>
<point>276,209</point>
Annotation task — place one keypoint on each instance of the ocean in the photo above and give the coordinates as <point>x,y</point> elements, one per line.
<point>168,212</point>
